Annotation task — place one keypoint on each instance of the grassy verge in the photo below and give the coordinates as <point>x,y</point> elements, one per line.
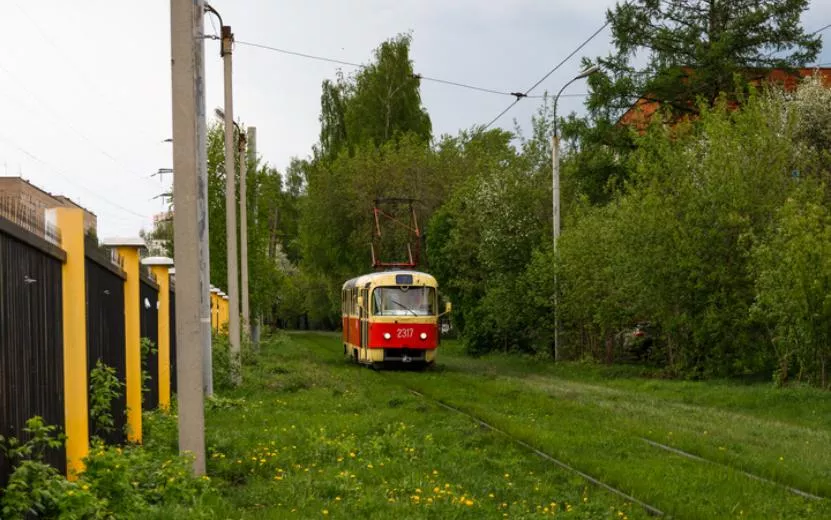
<point>309,436</point>
<point>597,424</point>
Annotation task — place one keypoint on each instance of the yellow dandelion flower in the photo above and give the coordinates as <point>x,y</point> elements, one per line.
<point>429,500</point>
<point>325,512</point>
<point>337,499</point>
<point>468,502</point>
<point>436,489</point>
<point>370,466</point>
<point>352,454</point>
<point>490,495</point>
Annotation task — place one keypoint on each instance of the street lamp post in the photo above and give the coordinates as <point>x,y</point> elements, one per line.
<point>555,159</point>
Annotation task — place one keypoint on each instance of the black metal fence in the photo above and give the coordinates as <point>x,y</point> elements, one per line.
<point>31,333</point>
<point>105,331</point>
<point>149,310</point>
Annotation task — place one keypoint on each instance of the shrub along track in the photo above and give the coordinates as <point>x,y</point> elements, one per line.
<point>683,499</point>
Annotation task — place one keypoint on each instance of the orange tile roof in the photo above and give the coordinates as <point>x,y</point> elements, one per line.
<point>643,109</point>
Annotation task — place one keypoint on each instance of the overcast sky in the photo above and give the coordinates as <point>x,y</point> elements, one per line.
<point>85,85</point>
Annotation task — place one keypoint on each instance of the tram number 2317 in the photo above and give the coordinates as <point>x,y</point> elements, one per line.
<point>405,333</point>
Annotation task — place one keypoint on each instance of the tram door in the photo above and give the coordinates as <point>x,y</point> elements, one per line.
<point>365,323</point>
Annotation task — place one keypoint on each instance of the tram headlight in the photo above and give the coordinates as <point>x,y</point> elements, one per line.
<point>387,335</point>
<point>423,335</point>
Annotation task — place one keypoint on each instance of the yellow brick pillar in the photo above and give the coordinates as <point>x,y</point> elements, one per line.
<point>75,370</point>
<point>215,306</point>
<point>160,266</point>
<point>129,248</point>
<point>225,310</point>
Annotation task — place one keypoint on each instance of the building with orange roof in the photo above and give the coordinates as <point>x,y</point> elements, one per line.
<point>640,113</point>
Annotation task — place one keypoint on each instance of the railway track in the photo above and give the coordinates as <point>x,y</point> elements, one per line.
<point>652,510</point>
<point>648,508</point>
<point>691,456</point>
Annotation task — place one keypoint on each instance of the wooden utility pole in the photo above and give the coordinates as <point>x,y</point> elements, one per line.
<point>190,220</point>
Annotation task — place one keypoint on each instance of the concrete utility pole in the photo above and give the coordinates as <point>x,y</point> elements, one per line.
<point>190,220</point>
<point>254,326</point>
<point>231,206</point>
<point>243,233</point>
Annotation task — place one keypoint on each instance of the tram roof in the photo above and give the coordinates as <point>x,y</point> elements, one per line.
<point>388,278</point>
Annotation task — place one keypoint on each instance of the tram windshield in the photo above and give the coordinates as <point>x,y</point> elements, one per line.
<point>404,301</point>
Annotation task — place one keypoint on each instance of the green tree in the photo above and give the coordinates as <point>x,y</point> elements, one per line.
<point>374,143</point>
<point>482,239</point>
<point>793,287</point>
<point>677,52</point>
<point>264,191</point>
<point>694,47</point>
<point>673,248</point>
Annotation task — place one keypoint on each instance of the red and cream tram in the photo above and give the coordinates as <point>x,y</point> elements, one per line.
<point>391,317</point>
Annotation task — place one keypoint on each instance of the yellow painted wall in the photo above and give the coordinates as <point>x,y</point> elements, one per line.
<point>223,313</point>
<point>163,279</point>
<point>132,332</point>
<point>214,311</point>
<point>71,223</point>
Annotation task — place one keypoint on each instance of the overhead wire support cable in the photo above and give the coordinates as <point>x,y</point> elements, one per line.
<point>550,72</point>
<point>57,116</point>
<point>361,66</point>
<point>68,177</point>
<point>520,95</point>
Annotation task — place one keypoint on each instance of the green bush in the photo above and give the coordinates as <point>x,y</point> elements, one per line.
<point>133,479</point>
<point>37,489</point>
<point>117,482</point>
<point>104,389</point>
<point>223,371</point>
